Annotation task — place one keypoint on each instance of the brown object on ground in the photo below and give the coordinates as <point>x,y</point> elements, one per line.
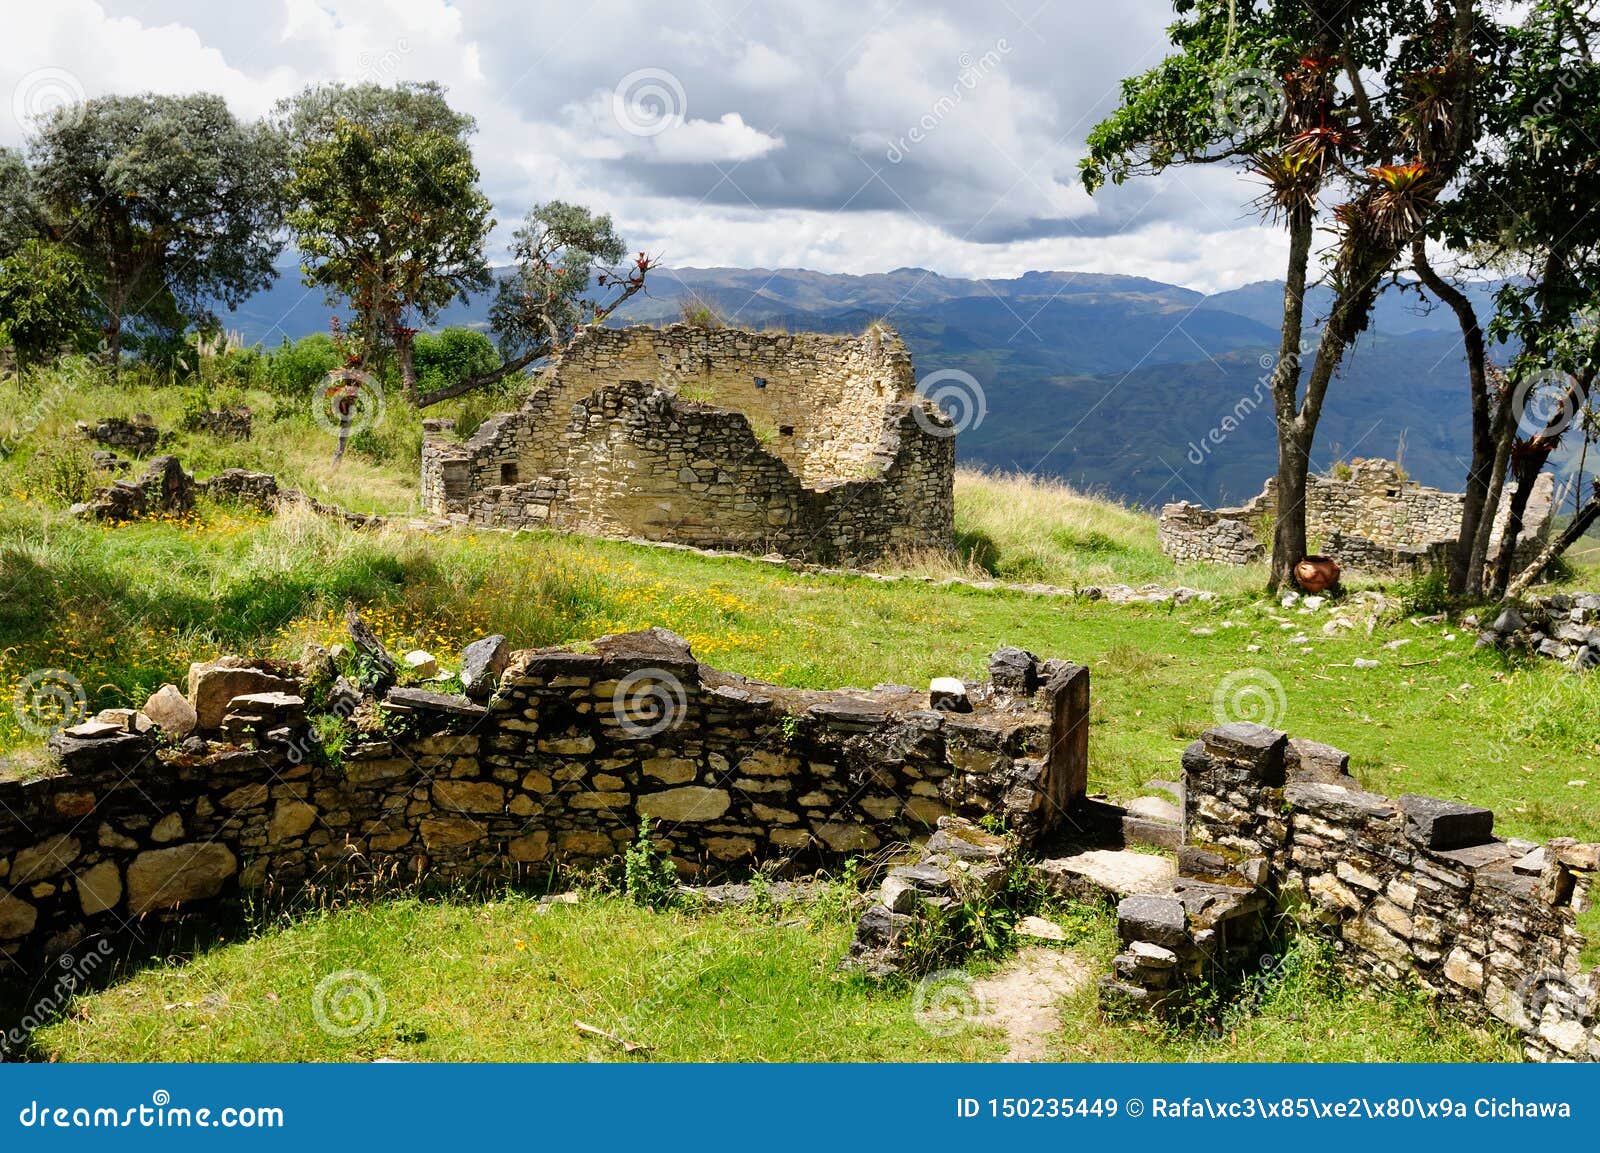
<point>1315,573</point>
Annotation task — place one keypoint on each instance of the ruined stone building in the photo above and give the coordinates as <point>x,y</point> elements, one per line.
<point>1371,516</point>
<point>807,445</point>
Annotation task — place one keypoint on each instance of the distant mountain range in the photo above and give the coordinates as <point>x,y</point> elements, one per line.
<point>1147,391</point>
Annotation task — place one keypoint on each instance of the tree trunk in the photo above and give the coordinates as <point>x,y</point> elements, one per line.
<point>1483,443</point>
<point>1524,470</point>
<point>403,338</point>
<point>1289,532</point>
<point>1580,525</point>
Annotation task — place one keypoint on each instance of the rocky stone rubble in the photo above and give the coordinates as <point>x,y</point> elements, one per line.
<point>138,436</point>
<point>1410,890</point>
<point>1563,627</point>
<point>553,761</point>
<point>960,862</point>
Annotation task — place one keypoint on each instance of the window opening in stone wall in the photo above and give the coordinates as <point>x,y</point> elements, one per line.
<point>508,473</point>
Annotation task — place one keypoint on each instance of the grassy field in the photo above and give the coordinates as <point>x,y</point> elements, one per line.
<point>507,980</point>
<point>122,609</point>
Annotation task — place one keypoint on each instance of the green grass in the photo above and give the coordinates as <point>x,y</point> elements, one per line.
<point>1296,1009</point>
<point>123,609</point>
<point>505,981</point>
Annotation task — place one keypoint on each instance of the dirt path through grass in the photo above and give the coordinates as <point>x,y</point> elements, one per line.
<point>1023,997</point>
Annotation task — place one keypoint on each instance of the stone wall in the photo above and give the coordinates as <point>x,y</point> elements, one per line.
<point>557,767</point>
<point>1372,519</point>
<point>806,445</point>
<point>1412,890</point>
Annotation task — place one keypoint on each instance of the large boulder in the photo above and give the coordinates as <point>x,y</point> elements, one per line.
<point>482,662</point>
<point>214,684</point>
<point>171,712</point>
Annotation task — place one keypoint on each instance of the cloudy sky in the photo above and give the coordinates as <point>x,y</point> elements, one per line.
<point>840,135</point>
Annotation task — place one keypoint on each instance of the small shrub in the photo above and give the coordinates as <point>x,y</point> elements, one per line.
<point>63,472</point>
<point>696,313</point>
<point>1425,593</point>
<point>295,369</point>
<point>648,878</point>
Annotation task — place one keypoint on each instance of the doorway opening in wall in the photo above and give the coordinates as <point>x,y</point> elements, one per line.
<point>508,473</point>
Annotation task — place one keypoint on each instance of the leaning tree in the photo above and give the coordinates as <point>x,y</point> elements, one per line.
<point>1353,113</point>
<point>568,271</point>
<point>162,199</point>
<point>386,209</point>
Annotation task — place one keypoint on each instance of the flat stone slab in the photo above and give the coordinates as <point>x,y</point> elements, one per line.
<point>1107,874</point>
<point>1250,745</point>
<point>1154,809</point>
<point>425,700</point>
<point>1441,825</point>
<point>1162,920</point>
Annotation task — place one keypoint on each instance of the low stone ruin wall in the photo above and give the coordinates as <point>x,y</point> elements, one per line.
<point>138,436</point>
<point>1373,519</point>
<point>164,488</point>
<point>1563,627</point>
<point>1412,890</point>
<point>554,760</point>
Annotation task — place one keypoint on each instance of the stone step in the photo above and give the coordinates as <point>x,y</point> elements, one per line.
<point>1107,875</point>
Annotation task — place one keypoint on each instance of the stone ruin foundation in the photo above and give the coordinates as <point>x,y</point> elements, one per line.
<point>553,757</point>
<point>810,446</point>
<point>553,760</point>
<point>1412,891</point>
<point>1375,519</point>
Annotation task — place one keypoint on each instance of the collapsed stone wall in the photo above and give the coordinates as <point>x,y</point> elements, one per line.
<point>1413,890</point>
<point>1374,519</point>
<point>807,445</point>
<point>558,767</point>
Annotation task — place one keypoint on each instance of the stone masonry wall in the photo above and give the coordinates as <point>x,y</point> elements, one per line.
<point>1373,519</point>
<point>811,446</point>
<point>558,768</point>
<point>1413,890</point>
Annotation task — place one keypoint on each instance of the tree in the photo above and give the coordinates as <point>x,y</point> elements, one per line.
<point>386,207</point>
<point>1525,213</point>
<point>46,302</point>
<point>159,197</point>
<point>566,275</point>
<point>1368,104</point>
